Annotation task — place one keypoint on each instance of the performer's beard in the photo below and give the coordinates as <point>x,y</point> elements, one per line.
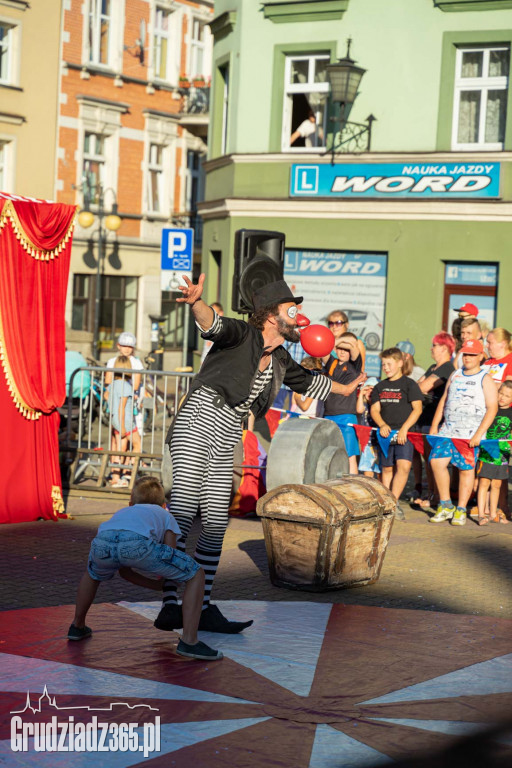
<point>288,332</point>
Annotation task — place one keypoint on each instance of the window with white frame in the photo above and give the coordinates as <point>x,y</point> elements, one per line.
<point>7,40</point>
<point>306,92</point>
<point>93,169</point>
<point>99,31</point>
<point>197,48</point>
<point>6,166</point>
<point>480,99</point>
<point>159,164</point>
<point>161,36</point>
<point>155,179</point>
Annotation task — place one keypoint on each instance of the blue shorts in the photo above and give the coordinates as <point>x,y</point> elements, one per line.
<point>349,433</point>
<point>369,461</point>
<point>396,452</point>
<point>111,550</point>
<point>445,449</point>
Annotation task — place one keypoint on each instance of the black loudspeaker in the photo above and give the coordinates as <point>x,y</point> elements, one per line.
<point>259,259</point>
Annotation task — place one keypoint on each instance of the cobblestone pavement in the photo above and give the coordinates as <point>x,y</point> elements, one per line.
<point>440,568</point>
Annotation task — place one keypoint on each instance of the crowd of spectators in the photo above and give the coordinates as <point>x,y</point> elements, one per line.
<point>464,396</point>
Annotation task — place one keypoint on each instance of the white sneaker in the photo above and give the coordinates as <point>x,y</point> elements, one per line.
<point>442,514</point>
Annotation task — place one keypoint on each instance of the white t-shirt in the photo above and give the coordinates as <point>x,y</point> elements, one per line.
<point>135,362</point>
<point>149,520</point>
<point>307,130</point>
<point>310,411</point>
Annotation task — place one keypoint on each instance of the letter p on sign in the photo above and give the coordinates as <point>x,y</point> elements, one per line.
<point>177,249</point>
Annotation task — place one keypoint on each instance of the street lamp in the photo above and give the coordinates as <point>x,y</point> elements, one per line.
<point>345,77</point>
<point>86,219</point>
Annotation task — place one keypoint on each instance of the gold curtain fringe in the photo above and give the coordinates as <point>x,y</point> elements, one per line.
<point>23,408</point>
<point>9,214</point>
<point>57,501</point>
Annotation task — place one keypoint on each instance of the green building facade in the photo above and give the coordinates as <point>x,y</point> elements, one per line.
<point>399,230</point>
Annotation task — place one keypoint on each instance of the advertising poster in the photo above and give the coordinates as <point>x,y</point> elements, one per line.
<point>485,275</point>
<point>352,282</point>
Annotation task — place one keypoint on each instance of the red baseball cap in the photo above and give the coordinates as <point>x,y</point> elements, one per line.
<point>472,347</point>
<point>470,308</point>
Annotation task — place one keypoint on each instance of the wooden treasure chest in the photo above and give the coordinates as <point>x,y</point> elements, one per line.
<point>327,536</point>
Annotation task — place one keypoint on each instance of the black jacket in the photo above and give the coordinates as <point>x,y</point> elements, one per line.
<point>231,365</point>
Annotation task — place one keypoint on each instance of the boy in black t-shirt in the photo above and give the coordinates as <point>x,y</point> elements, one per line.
<point>396,404</point>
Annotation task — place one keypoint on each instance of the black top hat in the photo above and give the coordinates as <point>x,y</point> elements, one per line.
<point>274,293</point>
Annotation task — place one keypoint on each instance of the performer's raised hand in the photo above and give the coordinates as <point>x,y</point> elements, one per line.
<point>191,293</point>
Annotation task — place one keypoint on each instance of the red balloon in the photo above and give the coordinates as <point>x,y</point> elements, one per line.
<point>317,340</point>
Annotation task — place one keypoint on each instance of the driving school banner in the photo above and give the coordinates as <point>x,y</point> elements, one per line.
<point>390,180</point>
<point>352,282</point>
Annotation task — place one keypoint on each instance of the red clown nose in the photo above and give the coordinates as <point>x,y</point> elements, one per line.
<point>317,340</point>
<point>302,321</point>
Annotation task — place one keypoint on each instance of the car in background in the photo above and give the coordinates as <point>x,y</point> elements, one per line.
<point>367,326</point>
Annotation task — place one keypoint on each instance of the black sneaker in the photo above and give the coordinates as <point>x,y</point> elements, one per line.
<point>198,651</point>
<point>212,620</point>
<point>77,633</point>
<point>169,618</point>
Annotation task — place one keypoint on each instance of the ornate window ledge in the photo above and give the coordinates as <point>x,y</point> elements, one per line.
<point>222,25</point>
<point>283,11</point>
<point>456,6</point>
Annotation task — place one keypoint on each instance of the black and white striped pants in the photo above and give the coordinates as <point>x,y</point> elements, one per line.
<point>202,445</point>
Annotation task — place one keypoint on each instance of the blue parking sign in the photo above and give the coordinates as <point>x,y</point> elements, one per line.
<point>177,249</point>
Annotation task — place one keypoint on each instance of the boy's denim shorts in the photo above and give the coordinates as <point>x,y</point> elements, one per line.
<point>396,452</point>
<point>111,550</point>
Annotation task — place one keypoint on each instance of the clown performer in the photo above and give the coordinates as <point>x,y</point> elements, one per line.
<point>242,372</point>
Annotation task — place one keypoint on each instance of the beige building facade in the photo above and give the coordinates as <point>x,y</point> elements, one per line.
<point>29,95</point>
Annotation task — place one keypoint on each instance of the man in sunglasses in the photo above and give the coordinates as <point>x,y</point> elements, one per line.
<point>242,373</point>
<point>337,322</point>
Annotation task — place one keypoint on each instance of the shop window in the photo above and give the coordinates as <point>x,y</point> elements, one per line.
<point>306,92</point>
<point>174,320</point>
<point>480,97</point>
<point>471,283</point>
<point>118,306</point>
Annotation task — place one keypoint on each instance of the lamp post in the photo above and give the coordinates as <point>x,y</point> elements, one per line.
<point>345,77</point>
<point>86,219</point>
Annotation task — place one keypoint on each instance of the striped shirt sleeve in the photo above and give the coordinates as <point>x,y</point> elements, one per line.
<point>319,388</point>
<point>214,328</point>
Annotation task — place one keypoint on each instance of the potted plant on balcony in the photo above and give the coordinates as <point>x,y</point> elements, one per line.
<point>184,82</point>
<point>198,81</point>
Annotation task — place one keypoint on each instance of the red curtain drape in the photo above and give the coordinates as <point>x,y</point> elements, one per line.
<point>35,247</point>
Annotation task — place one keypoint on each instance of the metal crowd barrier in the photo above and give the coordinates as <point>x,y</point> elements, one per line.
<point>92,452</point>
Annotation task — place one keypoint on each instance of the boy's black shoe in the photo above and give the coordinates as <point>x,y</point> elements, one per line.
<point>399,513</point>
<point>212,620</point>
<point>170,617</point>
<point>198,651</point>
<point>77,633</point>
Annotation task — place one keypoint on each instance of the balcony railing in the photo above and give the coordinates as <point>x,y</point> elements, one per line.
<point>196,100</point>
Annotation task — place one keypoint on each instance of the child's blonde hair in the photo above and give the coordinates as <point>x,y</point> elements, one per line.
<point>122,361</point>
<point>501,334</point>
<point>506,384</point>
<point>148,490</point>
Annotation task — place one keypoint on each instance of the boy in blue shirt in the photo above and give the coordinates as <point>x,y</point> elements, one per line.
<point>137,540</point>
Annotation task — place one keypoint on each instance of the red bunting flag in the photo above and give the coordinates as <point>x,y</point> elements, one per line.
<point>363,435</point>
<point>417,440</point>
<point>465,451</point>
<point>273,418</point>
